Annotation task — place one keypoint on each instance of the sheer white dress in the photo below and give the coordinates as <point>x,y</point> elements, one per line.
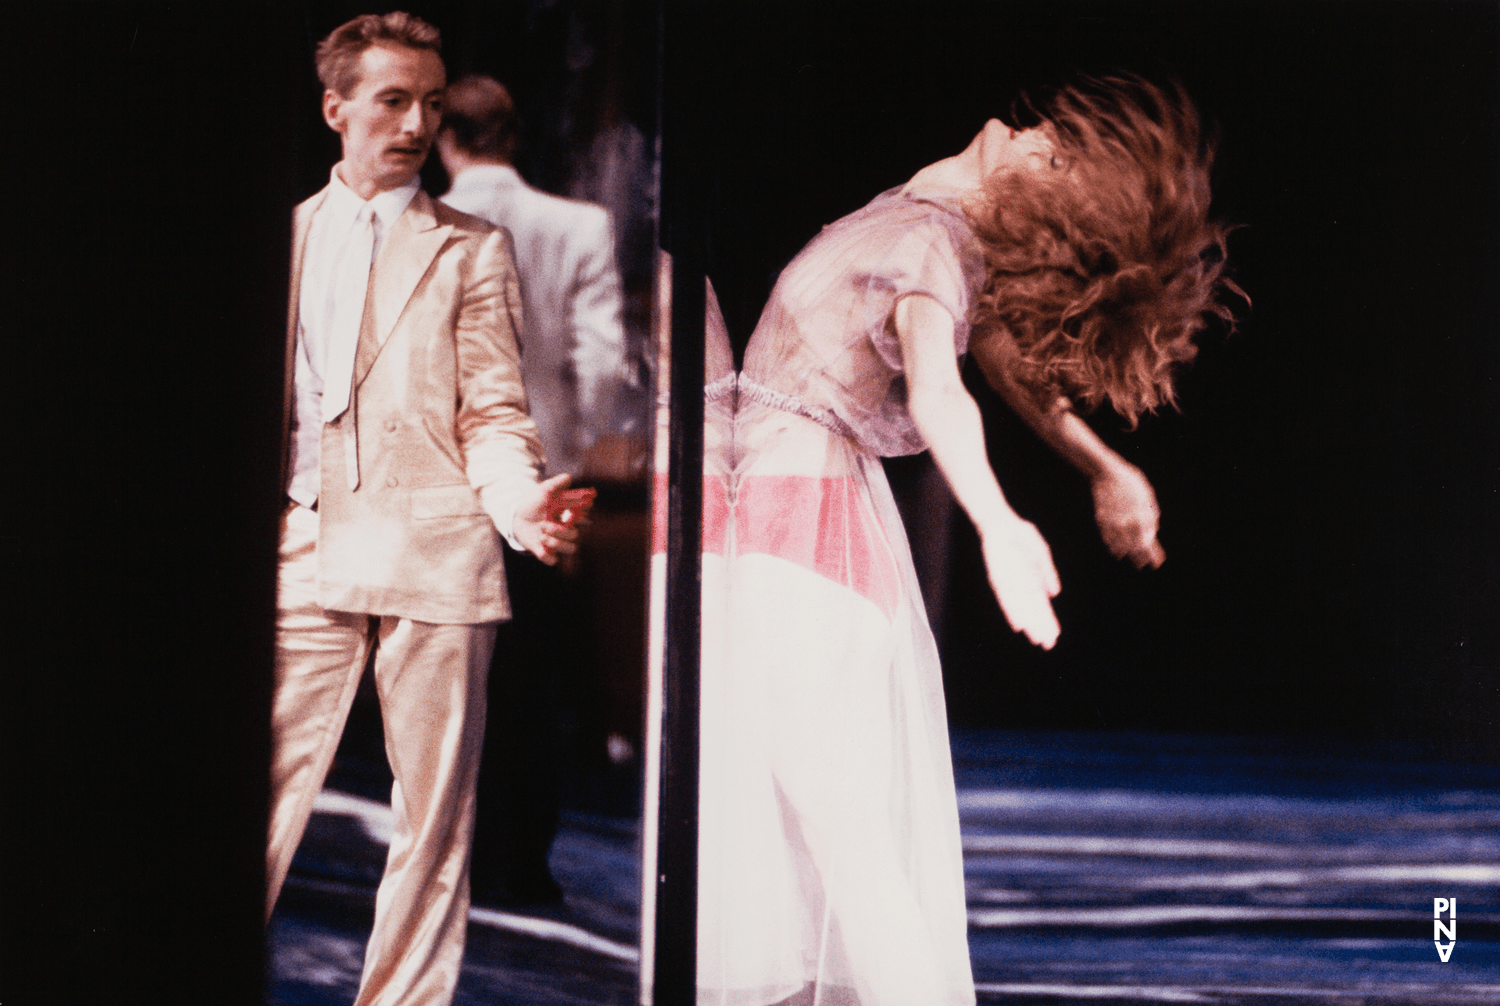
<point>830,866</point>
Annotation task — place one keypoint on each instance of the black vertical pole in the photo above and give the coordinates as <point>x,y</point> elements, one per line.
<point>684,237</point>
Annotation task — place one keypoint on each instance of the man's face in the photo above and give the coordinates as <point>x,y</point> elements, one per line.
<point>388,121</point>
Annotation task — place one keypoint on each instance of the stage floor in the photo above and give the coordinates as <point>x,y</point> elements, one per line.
<point>1101,868</point>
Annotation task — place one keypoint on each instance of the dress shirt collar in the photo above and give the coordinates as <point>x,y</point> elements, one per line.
<point>344,206</point>
<point>483,176</point>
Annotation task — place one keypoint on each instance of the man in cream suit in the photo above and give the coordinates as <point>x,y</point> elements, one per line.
<point>573,361</point>
<point>410,454</point>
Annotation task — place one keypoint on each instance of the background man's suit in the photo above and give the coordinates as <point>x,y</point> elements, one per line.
<point>402,553</point>
<point>573,346</point>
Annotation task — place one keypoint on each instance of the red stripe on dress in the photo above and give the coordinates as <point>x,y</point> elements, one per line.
<point>715,515</point>
<point>822,524</point>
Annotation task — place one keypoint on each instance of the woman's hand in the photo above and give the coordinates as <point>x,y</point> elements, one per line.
<point>548,517</point>
<point>1023,578</point>
<point>1018,560</point>
<point>1124,504</point>
<point>1125,507</point>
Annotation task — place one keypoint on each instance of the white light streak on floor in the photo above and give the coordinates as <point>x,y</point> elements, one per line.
<point>376,818</point>
<point>1156,915</point>
<point>1149,993</point>
<point>1211,993</point>
<point>1191,805</point>
<point>378,822</point>
<point>1447,873</point>
<point>558,932</point>
<point>322,959</point>
<point>1091,845</point>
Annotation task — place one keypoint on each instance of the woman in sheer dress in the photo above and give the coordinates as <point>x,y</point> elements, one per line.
<point>1075,261</point>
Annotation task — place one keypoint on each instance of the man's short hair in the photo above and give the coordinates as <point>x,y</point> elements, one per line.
<point>482,116</point>
<point>339,54</point>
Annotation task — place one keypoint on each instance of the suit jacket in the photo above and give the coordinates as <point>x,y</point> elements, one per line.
<point>573,345</point>
<point>436,443</point>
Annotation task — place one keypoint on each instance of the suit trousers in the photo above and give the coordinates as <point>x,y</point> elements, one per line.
<point>431,683</point>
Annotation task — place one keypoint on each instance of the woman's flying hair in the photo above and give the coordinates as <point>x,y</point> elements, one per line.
<point>1104,270</point>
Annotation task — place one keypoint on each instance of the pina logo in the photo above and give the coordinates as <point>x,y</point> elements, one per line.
<point>1440,931</point>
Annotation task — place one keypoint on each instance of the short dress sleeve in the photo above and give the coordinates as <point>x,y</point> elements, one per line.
<point>824,347</point>
<point>928,259</point>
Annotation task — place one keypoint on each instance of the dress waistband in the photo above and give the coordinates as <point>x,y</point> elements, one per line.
<point>747,389</point>
<point>723,387</point>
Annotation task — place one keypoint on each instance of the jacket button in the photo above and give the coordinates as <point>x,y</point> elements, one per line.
<point>393,482</point>
<point>390,426</point>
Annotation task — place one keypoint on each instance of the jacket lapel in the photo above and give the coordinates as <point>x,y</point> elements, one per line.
<point>405,255</point>
<point>301,220</point>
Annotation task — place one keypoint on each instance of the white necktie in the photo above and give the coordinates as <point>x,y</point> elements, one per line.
<point>351,281</point>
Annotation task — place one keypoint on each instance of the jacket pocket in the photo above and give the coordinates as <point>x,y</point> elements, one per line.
<point>457,500</point>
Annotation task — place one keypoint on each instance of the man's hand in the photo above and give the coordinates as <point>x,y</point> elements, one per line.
<point>548,517</point>
<point>1125,507</point>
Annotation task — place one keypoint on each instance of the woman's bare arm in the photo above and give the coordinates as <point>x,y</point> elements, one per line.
<point>1018,560</point>
<point>1124,502</point>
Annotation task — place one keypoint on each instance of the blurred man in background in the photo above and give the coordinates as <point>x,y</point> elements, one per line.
<point>573,362</point>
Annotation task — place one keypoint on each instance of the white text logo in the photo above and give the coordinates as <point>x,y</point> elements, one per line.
<point>1444,931</point>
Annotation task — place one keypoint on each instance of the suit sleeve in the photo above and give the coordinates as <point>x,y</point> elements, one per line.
<point>598,335</point>
<point>502,453</point>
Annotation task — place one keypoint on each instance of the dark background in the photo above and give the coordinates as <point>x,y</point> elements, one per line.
<point>149,174</point>
<point>1329,490</point>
